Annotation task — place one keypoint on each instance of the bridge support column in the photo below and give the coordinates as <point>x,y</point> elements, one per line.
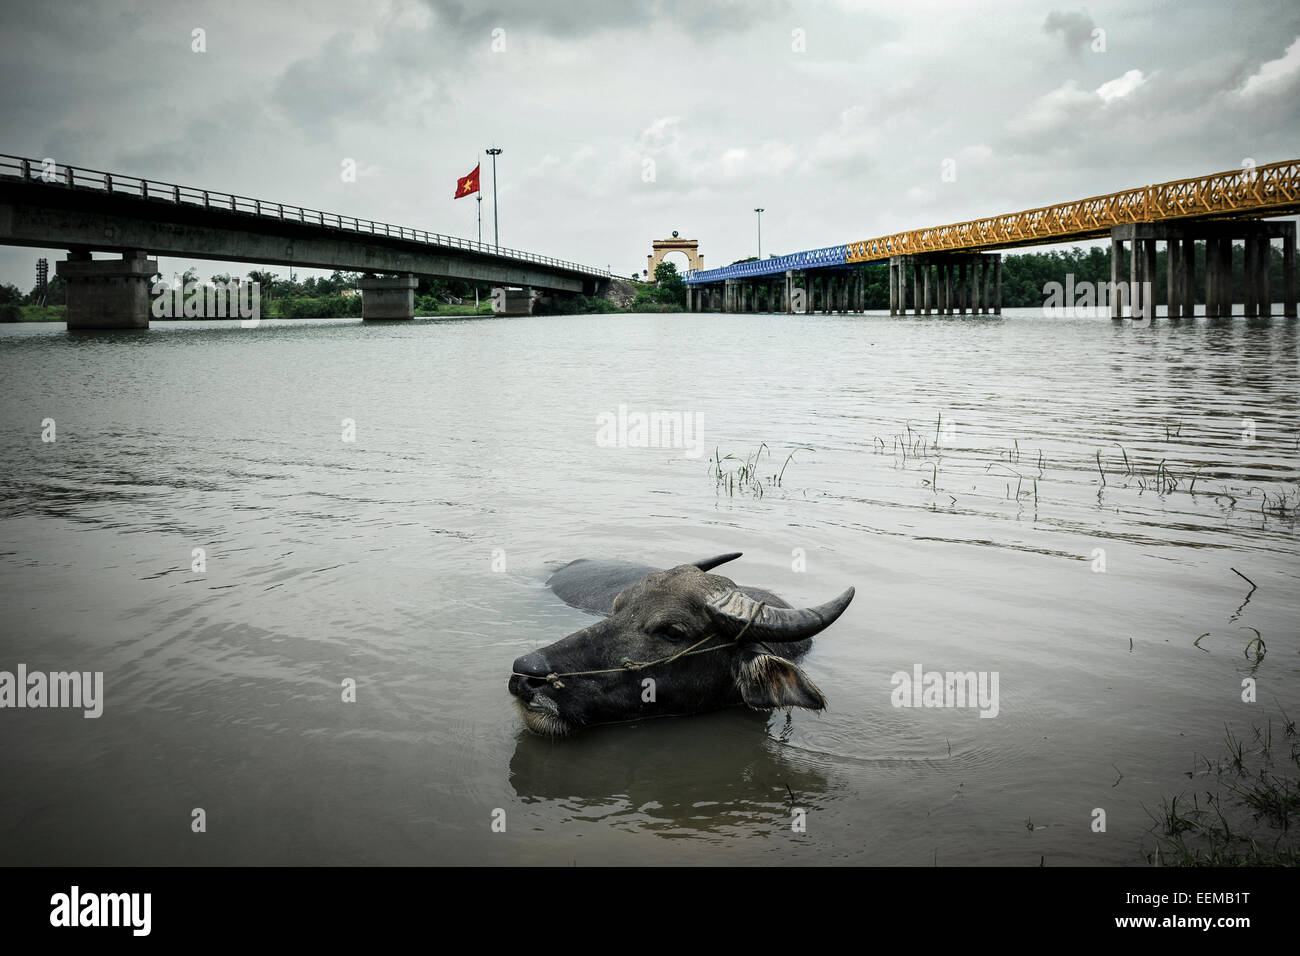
<point>1288,274</point>
<point>108,293</point>
<point>916,286</point>
<point>925,285</point>
<point>893,286</point>
<point>997,285</point>
<point>392,299</point>
<point>1263,286</point>
<point>1116,254</point>
<point>1135,277</point>
<point>1149,277</point>
<point>1225,284</point>
<point>1173,300</point>
<point>1211,278</point>
<point>1187,289</point>
<point>1249,277</point>
<point>1263,260</point>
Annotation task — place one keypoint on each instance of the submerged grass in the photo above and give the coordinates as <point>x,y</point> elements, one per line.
<point>911,449</point>
<point>734,474</point>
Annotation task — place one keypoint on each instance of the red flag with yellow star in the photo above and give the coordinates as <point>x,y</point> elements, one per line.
<point>467,185</point>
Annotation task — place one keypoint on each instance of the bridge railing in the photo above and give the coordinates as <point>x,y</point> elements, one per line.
<point>825,257</point>
<point>77,177</point>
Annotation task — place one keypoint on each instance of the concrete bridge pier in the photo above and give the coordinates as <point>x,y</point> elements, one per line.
<point>1181,286</point>
<point>898,267</point>
<point>997,284</point>
<point>945,284</point>
<point>108,293</point>
<point>1288,274</point>
<point>388,299</point>
<point>517,301</point>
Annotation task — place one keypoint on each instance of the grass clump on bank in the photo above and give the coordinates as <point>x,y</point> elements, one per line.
<point>1246,819</point>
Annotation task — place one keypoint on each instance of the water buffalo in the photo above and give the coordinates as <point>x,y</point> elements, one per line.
<point>673,642</point>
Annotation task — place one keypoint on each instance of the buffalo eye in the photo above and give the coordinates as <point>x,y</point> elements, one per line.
<point>671,631</point>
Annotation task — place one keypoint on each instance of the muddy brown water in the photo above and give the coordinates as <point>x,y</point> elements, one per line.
<point>950,474</point>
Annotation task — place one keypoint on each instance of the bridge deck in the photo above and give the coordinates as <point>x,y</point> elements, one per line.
<point>36,184</point>
<point>1236,194</point>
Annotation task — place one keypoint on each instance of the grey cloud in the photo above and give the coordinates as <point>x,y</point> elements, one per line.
<point>578,18</point>
<point>1075,28</point>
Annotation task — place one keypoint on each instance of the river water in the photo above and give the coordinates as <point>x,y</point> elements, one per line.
<point>951,470</point>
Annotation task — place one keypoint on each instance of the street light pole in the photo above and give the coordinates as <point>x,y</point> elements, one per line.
<point>494,152</point>
<point>760,232</point>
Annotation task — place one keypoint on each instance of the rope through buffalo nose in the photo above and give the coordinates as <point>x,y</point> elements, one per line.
<point>629,665</point>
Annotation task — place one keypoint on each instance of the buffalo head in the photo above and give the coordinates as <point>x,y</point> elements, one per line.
<point>676,642</point>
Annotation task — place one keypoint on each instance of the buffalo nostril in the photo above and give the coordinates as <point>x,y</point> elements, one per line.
<point>532,665</point>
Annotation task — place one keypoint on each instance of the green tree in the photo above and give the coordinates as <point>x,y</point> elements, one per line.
<point>670,288</point>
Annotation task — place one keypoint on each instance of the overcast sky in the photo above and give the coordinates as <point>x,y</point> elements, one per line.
<point>621,122</point>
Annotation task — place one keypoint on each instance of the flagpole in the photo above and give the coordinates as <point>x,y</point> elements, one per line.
<point>494,152</point>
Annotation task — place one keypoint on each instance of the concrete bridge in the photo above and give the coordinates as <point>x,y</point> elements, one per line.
<point>947,269</point>
<point>47,205</point>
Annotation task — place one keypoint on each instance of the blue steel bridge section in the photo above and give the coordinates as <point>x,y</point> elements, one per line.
<point>826,258</point>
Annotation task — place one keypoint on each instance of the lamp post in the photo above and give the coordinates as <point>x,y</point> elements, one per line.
<point>494,152</point>
<point>760,232</point>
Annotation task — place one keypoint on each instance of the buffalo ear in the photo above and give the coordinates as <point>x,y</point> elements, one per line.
<point>768,681</point>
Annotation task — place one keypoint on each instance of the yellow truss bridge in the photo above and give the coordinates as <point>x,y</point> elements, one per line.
<point>1247,193</point>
